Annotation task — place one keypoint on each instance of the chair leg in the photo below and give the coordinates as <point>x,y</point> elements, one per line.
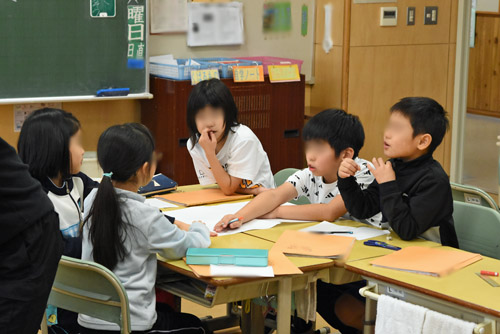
<point>43,325</point>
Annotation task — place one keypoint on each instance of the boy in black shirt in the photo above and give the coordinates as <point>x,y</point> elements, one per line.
<point>411,189</point>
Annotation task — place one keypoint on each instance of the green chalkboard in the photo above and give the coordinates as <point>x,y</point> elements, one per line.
<point>54,48</point>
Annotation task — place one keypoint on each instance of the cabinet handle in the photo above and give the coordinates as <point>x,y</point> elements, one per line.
<point>292,133</point>
<point>183,142</point>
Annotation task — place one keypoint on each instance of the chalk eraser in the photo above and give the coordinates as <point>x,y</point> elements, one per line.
<point>113,92</point>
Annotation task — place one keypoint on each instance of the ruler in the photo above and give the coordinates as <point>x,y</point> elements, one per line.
<point>489,280</point>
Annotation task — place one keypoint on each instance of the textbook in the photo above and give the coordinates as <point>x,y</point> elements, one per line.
<point>159,184</point>
<point>306,244</point>
<point>201,197</point>
<point>436,262</point>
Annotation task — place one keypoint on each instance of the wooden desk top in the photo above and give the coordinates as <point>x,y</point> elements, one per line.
<point>359,251</point>
<point>462,287</point>
<point>243,240</point>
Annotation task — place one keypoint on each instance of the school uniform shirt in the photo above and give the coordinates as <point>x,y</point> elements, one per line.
<point>242,156</point>
<point>417,203</point>
<point>148,232</point>
<point>318,192</point>
<point>68,203</point>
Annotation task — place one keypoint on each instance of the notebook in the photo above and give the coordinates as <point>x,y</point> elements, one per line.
<point>200,197</point>
<point>228,256</point>
<point>297,243</point>
<point>427,261</point>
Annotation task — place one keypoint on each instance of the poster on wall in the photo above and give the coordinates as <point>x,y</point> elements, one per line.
<point>215,24</point>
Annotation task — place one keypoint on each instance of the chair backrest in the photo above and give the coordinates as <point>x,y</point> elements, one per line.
<point>478,228</point>
<point>472,195</point>
<point>280,178</point>
<point>92,289</point>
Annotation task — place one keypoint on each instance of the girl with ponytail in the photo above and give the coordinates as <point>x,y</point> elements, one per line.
<point>124,234</point>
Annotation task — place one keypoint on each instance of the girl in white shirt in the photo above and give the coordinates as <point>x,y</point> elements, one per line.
<point>224,151</point>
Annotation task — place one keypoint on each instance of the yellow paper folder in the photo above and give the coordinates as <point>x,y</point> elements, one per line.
<point>428,261</point>
<point>201,197</point>
<point>297,243</point>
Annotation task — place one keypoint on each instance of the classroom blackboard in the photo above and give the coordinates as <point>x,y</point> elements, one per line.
<point>54,48</point>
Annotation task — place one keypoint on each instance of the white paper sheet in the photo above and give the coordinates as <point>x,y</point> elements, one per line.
<point>360,233</point>
<point>239,271</point>
<point>157,203</point>
<point>168,16</point>
<point>215,24</point>
<point>211,215</point>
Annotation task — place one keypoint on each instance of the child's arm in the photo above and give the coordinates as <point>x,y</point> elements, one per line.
<point>227,183</point>
<point>259,206</point>
<point>359,203</point>
<point>313,212</point>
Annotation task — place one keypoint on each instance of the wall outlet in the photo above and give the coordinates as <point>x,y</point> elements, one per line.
<point>410,16</point>
<point>388,16</point>
<point>430,15</point>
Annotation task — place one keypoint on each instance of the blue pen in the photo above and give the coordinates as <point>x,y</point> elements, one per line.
<point>234,220</point>
<point>382,244</point>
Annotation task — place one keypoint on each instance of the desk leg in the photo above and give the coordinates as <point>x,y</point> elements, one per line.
<point>284,305</point>
<point>370,314</point>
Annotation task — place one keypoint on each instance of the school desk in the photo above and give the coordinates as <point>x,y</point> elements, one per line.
<point>229,289</point>
<point>461,294</point>
<point>338,274</point>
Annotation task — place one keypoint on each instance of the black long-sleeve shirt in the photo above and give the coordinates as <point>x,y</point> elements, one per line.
<point>22,199</point>
<point>419,198</point>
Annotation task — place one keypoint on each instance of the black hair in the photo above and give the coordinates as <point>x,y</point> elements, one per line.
<point>121,151</point>
<point>426,116</point>
<point>44,142</point>
<point>340,129</point>
<point>212,93</point>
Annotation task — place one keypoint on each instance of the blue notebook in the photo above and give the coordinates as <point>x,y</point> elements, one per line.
<point>160,184</point>
<point>228,256</point>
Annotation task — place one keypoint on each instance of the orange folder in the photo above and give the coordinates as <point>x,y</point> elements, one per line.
<point>428,261</point>
<point>280,263</point>
<point>200,197</point>
<point>297,243</point>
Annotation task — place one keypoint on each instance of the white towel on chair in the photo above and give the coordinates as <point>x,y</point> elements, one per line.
<point>396,317</point>
<point>438,323</point>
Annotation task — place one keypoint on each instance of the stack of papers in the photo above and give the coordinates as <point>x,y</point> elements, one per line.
<point>360,233</point>
<point>428,261</point>
<point>211,215</point>
<point>297,243</point>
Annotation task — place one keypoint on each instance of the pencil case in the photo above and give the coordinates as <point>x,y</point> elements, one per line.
<point>159,184</point>
<point>227,256</point>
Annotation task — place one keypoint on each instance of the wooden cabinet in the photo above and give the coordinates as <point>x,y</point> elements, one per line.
<point>274,112</point>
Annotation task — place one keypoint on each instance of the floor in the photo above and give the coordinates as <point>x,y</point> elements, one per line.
<point>481,154</point>
<point>220,310</point>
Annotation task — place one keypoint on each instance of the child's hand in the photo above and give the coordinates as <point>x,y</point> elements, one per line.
<point>207,141</point>
<point>383,172</point>
<point>348,167</point>
<point>212,233</point>
<point>224,223</point>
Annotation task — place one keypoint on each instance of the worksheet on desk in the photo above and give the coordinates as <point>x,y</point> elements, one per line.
<point>211,215</point>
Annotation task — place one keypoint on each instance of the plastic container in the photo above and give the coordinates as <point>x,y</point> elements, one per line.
<point>181,71</point>
<point>225,65</point>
